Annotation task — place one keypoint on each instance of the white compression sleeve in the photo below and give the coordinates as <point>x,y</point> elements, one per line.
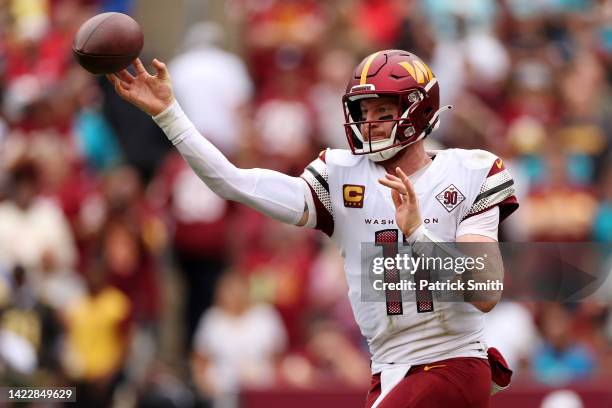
<point>274,194</point>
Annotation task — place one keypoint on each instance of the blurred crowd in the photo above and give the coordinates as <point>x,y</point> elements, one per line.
<point>123,274</point>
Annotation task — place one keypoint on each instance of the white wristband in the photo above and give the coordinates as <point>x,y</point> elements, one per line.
<point>425,243</point>
<point>416,235</point>
<point>173,122</point>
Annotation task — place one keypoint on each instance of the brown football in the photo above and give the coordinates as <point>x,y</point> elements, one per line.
<point>107,43</point>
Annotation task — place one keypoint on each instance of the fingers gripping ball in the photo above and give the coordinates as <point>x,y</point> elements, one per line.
<point>108,43</point>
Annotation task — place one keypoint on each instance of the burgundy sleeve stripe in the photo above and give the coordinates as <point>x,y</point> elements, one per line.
<point>507,207</point>
<point>322,156</point>
<point>325,220</point>
<point>497,167</point>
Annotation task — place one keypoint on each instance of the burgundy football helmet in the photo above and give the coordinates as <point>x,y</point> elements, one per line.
<point>392,73</point>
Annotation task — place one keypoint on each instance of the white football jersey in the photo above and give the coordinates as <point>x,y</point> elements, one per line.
<point>352,207</point>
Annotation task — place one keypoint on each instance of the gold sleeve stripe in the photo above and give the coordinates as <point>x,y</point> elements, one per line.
<point>366,67</point>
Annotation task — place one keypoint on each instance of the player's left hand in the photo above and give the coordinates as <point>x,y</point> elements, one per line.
<point>407,214</point>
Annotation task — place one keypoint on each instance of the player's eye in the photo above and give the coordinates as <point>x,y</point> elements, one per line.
<point>379,111</point>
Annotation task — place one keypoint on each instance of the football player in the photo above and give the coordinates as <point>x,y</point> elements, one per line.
<point>386,188</point>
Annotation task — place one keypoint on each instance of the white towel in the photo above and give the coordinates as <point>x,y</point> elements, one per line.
<point>389,378</point>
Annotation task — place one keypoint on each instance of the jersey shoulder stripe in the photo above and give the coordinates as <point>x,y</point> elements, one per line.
<point>317,177</point>
<point>492,186</point>
<point>497,188</point>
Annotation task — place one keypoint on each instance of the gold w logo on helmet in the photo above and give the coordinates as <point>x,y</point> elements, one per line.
<point>418,70</point>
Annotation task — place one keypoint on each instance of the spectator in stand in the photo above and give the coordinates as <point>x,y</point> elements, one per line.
<point>562,399</point>
<point>37,61</point>
<point>93,134</point>
<point>452,20</point>
<point>416,33</point>
<point>560,359</point>
<point>29,333</point>
<point>558,209</point>
<point>584,131</point>
<point>276,261</point>
<point>130,268</point>
<point>602,224</point>
<point>199,221</point>
<point>237,343</point>
<point>333,69</point>
<point>98,332</point>
<point>378,22</point>
<point>329,357</point>
<point>57,288</point>
<point>280,34</point>
<point>334,357</point>
<point>203,68</point>
<point>55,283</point>
<point>134,130</point>
<point>283,121</point>
<point>327,288</point>
<point>33,230</point>
<point>130,240</point>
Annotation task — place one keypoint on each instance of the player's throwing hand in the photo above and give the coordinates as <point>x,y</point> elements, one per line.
<point>150,93</point>
<point>407,214</point>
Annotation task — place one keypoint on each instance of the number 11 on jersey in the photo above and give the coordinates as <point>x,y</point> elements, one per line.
<point>388,239</point>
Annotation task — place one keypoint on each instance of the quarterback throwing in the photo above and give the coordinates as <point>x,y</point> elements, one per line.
<point>424,353</point>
